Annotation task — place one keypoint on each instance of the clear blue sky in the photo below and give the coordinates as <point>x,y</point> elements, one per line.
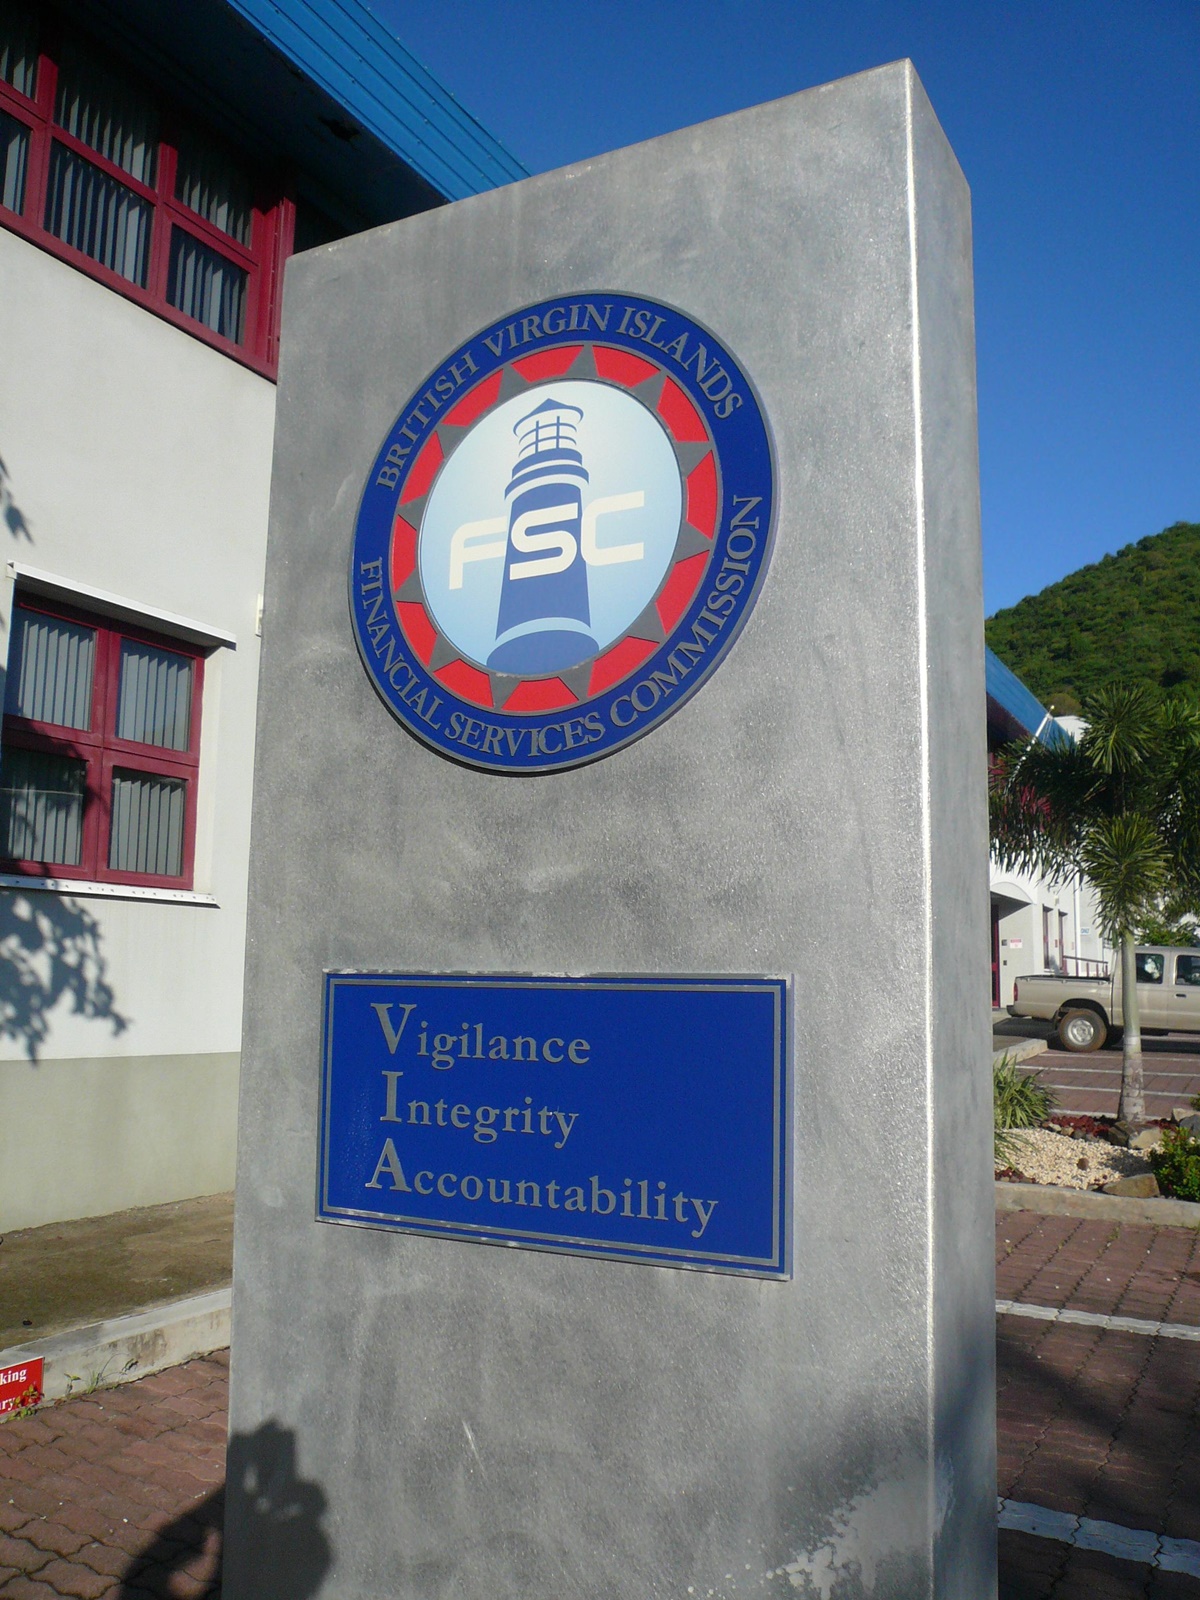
<point>1077,123</point>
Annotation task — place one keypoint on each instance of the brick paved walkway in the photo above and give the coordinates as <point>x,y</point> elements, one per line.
<point>1098,1423</point>
<point>118,1495</point>
<point>1091,1084</point>
<point>1122,1270</point>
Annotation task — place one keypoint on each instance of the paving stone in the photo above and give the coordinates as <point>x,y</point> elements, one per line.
<point>120,1510</point>
<point>187,1587</point>
<point>12,1516</point>
<point>32,1497</point>
<point>53,1537</point>
<point>25,1588</point>
<point>1029,1551</point>
<point>1116,1435</point>
<point>18,1470</point>
<point>22,1553</point>
<point>1093,1575</point>
<point>76,1582</point>
<point>1171,1586</point>
<point>109,1560</point>
<point>121,1535</point>
<point>40,1429</point>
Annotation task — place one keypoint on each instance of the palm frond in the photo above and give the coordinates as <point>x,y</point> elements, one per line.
<point>1121,805</point>
<point>1123,725</point>
<point>1129,868</point>
<point>1037,797</point>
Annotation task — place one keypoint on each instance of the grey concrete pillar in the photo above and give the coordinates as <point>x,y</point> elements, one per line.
<point>413,1417</point>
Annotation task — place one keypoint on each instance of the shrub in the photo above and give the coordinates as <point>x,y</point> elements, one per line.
<point>1007,1148</point>
<point>1018,1101</point>
<point>1177,1164</point>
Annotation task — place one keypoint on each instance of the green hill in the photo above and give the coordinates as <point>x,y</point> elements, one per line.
<point>1134,616</point>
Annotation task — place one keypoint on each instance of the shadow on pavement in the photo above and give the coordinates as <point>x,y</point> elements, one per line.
<point>1104,1448</point>
<point>1175,1044</point>
<point>1109,1053</point>
<point>283,1552</point>
<point>1015,1029</point>
<point>1021,1028</point>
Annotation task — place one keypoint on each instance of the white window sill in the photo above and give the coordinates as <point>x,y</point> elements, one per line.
<point>36,581</point>
<point>107,891</point>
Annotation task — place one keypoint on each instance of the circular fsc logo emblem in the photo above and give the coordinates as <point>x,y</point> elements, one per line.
<point>562,534</point>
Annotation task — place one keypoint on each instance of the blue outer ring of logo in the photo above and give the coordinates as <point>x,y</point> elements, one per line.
<point>554,740</point>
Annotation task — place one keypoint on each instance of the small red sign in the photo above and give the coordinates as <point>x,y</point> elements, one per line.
<point>20,1385</point>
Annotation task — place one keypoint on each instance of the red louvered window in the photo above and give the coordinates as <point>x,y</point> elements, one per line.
<point>100,752</point>
<point>96,169</point>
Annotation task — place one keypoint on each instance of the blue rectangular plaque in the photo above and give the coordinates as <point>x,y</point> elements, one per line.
<point>645,1119</point>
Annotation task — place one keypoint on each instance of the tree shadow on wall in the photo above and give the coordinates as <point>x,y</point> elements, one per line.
<point>10,512</point>
<point>50,948</point>
<point>12,518</point>
<point>284,1554</point>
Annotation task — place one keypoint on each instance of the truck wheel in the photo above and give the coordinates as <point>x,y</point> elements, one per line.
<point>1081,1030</point>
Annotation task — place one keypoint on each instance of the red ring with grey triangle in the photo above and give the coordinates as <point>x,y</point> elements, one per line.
<point>650,384</point>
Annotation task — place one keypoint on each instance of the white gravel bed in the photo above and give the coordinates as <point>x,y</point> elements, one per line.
<point>1046,1157</point>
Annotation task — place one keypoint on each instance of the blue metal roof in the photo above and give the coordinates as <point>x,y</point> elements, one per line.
<point>315,89</point>
<point>344,48</point>
<point>1021,709</point>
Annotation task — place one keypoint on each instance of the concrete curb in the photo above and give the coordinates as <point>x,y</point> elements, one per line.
<point>1052,1201</point>
<point>101,1354</point>
<point>1019,1050</point>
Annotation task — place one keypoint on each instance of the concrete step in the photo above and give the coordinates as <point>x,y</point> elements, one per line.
<point>120,1349</point>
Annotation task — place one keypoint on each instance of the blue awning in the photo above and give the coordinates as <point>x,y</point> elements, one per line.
<point>1014,707</point>
<point>315,89</point>
<point>343,47</point>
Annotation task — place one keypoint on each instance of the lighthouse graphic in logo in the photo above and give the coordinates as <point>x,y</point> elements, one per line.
<point>545,621</point>
<point>562,533</point>
<point>549,529</point>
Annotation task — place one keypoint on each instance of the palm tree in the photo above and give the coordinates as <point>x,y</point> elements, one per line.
<point>1120,805</point>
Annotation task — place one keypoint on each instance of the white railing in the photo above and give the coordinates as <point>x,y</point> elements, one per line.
<point>1084,967</point>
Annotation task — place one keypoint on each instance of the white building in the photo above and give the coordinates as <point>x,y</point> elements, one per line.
<point>158,164</point>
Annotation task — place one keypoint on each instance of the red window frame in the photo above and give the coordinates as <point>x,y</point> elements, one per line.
<point>272,227</point>
<point>103,752</point>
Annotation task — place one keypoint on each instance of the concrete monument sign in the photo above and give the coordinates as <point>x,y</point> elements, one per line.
<point>614,1198</point>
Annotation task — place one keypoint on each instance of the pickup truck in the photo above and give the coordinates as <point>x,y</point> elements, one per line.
<point>1086,1011</point>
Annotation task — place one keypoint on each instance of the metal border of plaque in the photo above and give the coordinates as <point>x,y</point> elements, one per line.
<point>653,1114</point>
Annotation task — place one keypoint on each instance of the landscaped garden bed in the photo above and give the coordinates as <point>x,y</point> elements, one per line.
<point>1082,1161</point>
<point>1035,1143</point>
